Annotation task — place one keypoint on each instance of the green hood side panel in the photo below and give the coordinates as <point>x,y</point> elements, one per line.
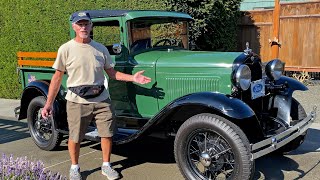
<point>181,72</point>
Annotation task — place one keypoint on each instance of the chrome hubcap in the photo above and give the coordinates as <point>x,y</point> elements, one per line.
<point>42,127</point>
<point>205,159</point>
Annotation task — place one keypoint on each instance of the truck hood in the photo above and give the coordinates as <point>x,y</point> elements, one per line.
<point>185,58</point>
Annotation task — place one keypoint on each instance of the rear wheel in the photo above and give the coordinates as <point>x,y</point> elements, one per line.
<point>208,146</point>
<point>42,131</point>
<point>297,114</point>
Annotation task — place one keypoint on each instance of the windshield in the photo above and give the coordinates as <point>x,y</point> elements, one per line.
<point>146,34</point>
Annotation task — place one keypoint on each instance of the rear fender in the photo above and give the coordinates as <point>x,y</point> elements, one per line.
<point>40,88</point>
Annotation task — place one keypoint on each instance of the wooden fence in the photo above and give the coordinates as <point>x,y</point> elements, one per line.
<point>299,34</point>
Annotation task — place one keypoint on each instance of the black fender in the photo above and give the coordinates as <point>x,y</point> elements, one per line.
<point>233,109</point>
<point>283,101</point>
<point>227,105</point>
<point>293,84</point>
<point>41,88</point>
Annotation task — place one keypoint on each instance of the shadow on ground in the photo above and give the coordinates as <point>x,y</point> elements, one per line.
<point>272,166</point>
<point>12,130</point>
<point>139,152</point>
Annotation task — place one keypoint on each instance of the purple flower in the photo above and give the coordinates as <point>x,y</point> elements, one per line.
<point>23,169</point>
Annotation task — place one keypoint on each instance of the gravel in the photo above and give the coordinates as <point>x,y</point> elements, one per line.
<point>309,99</point>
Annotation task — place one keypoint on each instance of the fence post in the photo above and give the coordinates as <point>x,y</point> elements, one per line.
<point>276,24</point>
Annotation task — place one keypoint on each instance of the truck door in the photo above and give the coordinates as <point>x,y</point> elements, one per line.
<point>109,31</point>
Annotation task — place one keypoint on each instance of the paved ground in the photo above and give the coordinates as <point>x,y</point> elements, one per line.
<point>151,159</point>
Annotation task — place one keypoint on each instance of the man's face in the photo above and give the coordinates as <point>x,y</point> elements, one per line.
<point>82,28</point>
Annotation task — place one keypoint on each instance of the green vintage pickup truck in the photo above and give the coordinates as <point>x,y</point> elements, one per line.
<point>223,109</point>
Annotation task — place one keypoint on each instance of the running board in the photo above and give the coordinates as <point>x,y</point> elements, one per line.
<point>121,134</point>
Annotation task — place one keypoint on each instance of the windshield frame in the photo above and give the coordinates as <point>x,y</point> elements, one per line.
<point>144,25</point>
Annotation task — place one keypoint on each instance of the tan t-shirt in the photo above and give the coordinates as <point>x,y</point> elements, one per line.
<point>84,64</point>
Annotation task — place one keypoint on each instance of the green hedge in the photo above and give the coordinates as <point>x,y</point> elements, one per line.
<point>42,25</point>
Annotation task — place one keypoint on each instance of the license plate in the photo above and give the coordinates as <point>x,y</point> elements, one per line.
<point>257,89</point>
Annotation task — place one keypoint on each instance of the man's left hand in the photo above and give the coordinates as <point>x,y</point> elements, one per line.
<point>141,79</point>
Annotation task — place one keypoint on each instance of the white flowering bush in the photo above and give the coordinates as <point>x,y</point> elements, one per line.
<point>22,169</point>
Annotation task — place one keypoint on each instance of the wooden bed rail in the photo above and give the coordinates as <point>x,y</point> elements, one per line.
<point>39,59</point>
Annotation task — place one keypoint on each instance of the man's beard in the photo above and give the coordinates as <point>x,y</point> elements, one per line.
<point>84,36</point>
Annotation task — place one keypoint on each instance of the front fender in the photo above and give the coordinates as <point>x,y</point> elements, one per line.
<point>283,101</point>
<point>293,84</point>
<point>233,109</point>
<point>227,105</point>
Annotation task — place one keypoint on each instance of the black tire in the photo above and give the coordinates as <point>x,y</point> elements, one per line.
<point>208,146</point>
<point>297,114</point>
<point>43,132</point>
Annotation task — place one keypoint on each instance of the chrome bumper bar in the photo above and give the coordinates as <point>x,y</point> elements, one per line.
<point>275,142</point>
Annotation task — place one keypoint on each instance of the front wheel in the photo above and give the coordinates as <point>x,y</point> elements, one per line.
<point>42,131</point>
<point>208,146</point>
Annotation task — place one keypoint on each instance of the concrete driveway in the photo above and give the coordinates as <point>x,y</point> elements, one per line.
<point>150,159</point>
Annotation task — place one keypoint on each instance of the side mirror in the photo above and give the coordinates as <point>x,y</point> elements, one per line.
<point>117,48</point>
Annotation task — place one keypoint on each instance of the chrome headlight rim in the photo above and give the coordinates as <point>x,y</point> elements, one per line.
<point>274,69</point>
<point>242,77</point>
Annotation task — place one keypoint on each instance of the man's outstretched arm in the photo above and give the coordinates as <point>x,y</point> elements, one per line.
<point>137,77</point>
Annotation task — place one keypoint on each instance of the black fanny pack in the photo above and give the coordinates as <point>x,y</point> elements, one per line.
<point>87,91</point>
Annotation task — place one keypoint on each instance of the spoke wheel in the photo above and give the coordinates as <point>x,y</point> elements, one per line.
<point>42,131</point>
<point>210,155</point>
<point>210,147</point>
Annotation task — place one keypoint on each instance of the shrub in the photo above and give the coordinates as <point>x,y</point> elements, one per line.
<point>215,25</point>
<point>23,169</point>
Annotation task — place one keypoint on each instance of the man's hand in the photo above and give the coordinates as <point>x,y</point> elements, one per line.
<point>141,79</point>
<point>46,111</point>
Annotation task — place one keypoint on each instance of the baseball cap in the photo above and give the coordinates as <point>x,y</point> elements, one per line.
<point>80,16</point>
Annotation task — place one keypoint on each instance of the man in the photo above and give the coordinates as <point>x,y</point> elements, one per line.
<point>84,61</point>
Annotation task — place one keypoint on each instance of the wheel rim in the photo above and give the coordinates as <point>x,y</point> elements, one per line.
<point>209,155</point>
<point>42,128</point>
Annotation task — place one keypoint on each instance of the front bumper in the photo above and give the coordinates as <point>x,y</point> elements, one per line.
<point>275,142</point>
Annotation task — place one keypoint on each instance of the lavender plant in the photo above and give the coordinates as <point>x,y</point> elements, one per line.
<point>22,169</point>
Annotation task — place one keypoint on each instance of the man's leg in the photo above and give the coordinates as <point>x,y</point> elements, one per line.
<point>106,147</point>
<point>106,126</point>
<point>79,117</point>
<point>74,150</point>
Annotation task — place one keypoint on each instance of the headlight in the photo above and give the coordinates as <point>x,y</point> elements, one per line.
<point>242,77</point>
<point>274,69</point>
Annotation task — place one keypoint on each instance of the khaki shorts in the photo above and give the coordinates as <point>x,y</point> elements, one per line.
<point>81,115</point>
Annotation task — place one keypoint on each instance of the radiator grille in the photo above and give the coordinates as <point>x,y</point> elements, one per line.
<point>178,86</point>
